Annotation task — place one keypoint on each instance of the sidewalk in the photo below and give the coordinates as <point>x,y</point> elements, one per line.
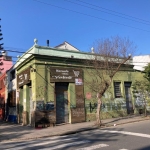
<point>16,132</point>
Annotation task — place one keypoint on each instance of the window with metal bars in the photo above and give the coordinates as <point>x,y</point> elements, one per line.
<point>117,89</point>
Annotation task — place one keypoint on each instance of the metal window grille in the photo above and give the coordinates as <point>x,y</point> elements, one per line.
<point>117,89</point>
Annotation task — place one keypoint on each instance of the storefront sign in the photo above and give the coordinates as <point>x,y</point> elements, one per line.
<point>65,75</point>
<point>23,77</point>
<point>78,81</point>
<point>88,95</point>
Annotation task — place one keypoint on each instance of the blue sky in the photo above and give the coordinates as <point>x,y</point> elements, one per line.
<point>63,20</point>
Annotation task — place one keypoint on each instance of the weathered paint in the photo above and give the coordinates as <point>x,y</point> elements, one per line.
<point>44,90</point>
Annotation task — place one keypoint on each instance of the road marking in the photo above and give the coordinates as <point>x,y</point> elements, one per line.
<point>65,145</point>
<point>123,149</point>
<point>128,133</point>
<point>33,144</point>
<point>93,147</point>
<point>34,139</point>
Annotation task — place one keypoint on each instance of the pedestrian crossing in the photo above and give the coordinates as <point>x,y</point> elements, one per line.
<point>128,133</point>
<point>55,143</point>
<point>52,143</point>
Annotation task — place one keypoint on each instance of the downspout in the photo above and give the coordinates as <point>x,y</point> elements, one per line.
<point>46,85</point>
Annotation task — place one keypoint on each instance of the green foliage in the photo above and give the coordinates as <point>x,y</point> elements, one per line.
<point>147,73</point>
<point>141,87</point>
<point>141,93</point>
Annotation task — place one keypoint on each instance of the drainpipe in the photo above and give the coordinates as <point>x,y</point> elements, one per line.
<point>46,84</point>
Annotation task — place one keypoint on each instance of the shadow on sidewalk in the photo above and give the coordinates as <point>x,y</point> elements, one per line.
<point>9,131</point>
<point>124,119</point>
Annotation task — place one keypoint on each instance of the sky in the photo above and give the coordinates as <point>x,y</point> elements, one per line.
<point>79,22</point>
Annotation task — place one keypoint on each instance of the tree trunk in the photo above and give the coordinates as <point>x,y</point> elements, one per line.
<point>98,117</point>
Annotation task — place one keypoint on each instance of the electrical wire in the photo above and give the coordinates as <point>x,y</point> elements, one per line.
<point>113,11</point>
<point>106,12</point>
<point>51,85</point>
<point>91,16</point>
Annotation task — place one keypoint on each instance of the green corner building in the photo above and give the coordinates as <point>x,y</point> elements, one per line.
<point>51,88</point>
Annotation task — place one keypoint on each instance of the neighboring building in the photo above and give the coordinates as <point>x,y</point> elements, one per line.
<point>2,95</point>
<point>5,62</point>
<point>11,112</point>
<point>140,62</point>
<point>51,87</point>
<point>65,45</point>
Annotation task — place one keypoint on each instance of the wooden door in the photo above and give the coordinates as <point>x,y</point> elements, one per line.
<point>129,104</point>
<point>62,113</point>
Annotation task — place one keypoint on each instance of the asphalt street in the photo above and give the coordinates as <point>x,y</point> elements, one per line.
<point>133,136</point>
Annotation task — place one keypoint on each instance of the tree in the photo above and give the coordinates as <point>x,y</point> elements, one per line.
<point>147,72</point>
<point>141,92</point>
<point>109,56</point>
<point>1,38</point>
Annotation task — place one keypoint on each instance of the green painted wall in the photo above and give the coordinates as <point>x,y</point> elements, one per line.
<point>72,95</point>
<point>111,107</point>
<point>20,105</point>
<point>71,98</point>
<point>43,90</point>
<point>26,102</point>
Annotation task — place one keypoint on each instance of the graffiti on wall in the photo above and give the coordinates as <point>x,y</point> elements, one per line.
<point>79,100</point>
<point>12,111</point>
<point>78,114</point>
<point>41,106</point>
<point>140,101</point>
<point>109,106</point>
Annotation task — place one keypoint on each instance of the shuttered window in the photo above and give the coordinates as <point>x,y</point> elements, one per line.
<point>117,89</point>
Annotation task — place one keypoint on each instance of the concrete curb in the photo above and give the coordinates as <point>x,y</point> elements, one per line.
<point>78,131</point>
<point>127,122</point>
<point>63,133</point>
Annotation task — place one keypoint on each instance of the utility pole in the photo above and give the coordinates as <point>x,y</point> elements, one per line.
<point>1,44</point>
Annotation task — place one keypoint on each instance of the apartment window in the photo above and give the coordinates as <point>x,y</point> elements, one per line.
<point>117,89</point>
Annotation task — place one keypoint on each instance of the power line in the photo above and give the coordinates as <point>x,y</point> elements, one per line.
<point>114,11</point>
<point>106,12</point>
<point>17,51</point>
<point>23,50</point>
<point>91,16</point>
